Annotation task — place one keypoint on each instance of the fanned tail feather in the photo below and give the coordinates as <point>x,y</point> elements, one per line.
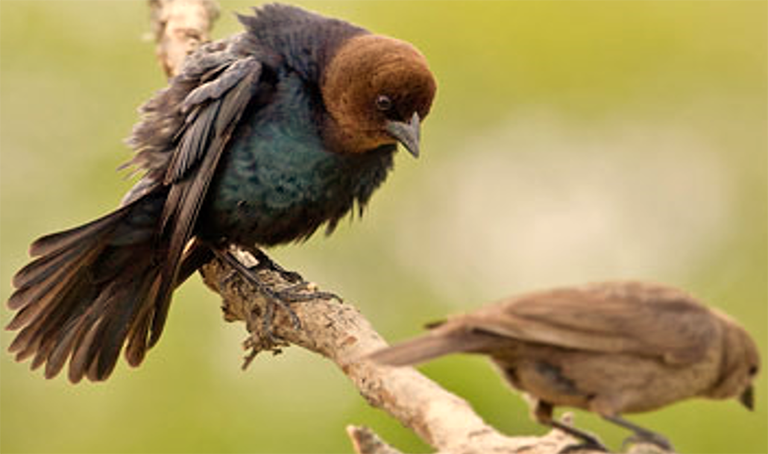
<point>91,290</point>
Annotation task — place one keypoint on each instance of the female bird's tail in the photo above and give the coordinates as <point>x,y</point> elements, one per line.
<point>91,289</point>
<point>440,342</point>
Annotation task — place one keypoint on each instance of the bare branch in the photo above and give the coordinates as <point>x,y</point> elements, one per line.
<point>340,333</point>
<point>180,26</point>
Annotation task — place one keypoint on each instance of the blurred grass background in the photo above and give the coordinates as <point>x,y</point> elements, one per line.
<point>570,141</point>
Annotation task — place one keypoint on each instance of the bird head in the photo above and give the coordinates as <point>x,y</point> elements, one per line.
<point>377,91</point>
<point>739,365</point>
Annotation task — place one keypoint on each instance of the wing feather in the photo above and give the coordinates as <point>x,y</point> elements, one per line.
<point>201,147</point>
<point>610,317</point>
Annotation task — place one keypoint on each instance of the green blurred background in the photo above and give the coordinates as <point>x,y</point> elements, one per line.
<point>569,142</point>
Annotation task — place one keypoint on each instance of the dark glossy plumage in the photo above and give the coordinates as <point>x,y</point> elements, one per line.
<point>261,139</point>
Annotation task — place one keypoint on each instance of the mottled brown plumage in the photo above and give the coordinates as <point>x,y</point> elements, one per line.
<point>610,348</point>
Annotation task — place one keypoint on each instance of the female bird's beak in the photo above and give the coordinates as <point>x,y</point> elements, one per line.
<point>747,398</point>
<point>407,134</point>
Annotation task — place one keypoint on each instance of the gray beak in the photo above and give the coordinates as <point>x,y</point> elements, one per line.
<point>747,398</point>
<point>407,134</point>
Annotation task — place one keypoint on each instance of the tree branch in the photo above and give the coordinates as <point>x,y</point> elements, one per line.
<point>340,333</point>
<point>180,26</point>
<point>334,330</point>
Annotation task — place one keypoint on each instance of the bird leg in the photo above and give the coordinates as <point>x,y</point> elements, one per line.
<point>542,412</point>
<point>589,441</point>
<point>292,294</point>
<point>296,293</point>
<point>641,435</point>
<point>266,262</point>
<point>272,297</point>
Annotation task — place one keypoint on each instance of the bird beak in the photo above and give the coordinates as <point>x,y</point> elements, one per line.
<point>747,398</point>
<point>407,134</point>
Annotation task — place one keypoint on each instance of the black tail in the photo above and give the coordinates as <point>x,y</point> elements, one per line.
<point>91,290</point>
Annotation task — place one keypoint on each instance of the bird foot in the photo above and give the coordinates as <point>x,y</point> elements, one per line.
<point>266,339</point>
<point>652,438</point>
<point>266,263</point>
<point>298,292</point>
<point>641,435</point>
<point>576,447</point>
<point>301,291</point>
<point>257,343</point>
<point>593,445</point>
<point>589,442</point>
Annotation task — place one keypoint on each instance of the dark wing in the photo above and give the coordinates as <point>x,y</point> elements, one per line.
<point>215,110</point>
<point>93,287</point>
<point>615,317</point>
<point>186,128</point>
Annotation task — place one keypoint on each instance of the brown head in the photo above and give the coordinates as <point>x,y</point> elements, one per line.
<point>739,365</point>
<point>377,91</point>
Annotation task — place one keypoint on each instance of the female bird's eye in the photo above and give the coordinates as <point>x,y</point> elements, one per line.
<point>383,103</point>
<point>753,370</point>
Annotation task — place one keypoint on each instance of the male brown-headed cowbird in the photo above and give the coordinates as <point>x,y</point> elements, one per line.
<point>610,348</point>
<point>260,140</point>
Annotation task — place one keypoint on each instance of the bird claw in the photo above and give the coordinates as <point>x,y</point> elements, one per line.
<point>266,263</point>
<point>298,292</point>
<point>588,441</point>
<point>650,438</point>
<point>227,278</point>
<point>576,447</point>
<point>282,299</point>
<point>585,445</point>
<point>304,291</point>
<point>293,293</point>
<point>301,292</point>
<point>259,342</point>
<point>640,435</point>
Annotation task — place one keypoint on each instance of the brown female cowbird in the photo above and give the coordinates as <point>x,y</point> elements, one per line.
<point>610,348</point>
<point>261,139</point>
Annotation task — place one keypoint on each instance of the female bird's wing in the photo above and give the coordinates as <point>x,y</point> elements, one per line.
<point>615,317</point>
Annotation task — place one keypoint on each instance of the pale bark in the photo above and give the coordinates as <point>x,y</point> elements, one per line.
<point>180,26</point>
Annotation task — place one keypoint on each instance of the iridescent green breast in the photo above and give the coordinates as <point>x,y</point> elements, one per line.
<point>277,182</point>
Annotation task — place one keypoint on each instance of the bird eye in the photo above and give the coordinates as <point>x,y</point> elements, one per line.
<point>753,371</point>
<point>383,103</point>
